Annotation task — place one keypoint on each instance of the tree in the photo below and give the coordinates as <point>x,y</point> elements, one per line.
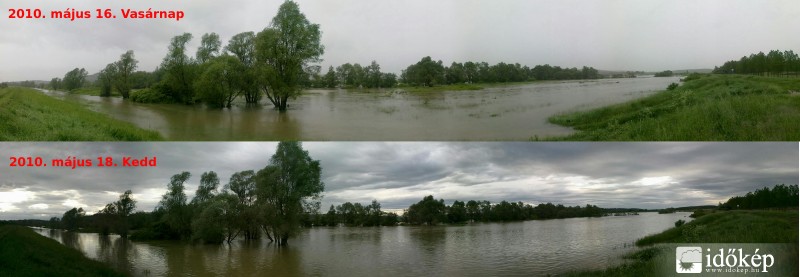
<point>283,50</point>
<point>72,219</point>
<point>243,186</point>
<point>290,180</point>
<point>115,215</point>
<point>427,211</point>
<point>209,47</point>
<point>207,188</point>
<point>74,79</point>
<point>221,81</point>
<point>457,212</point>
<point>179,71</point>
<point>425,72</point>
<point>173,204</point>
<point>243,47</point>
<point>124,68</point>
<point>55,83</point>
<point>106,79</point>
<point>330,78</point>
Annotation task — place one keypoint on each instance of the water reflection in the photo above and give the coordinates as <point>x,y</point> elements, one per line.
<point>515,112</point>
<point>516,248</point>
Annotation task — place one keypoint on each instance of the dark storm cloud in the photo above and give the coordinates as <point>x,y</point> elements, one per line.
<point>645,175</point>
<point>614,34</point>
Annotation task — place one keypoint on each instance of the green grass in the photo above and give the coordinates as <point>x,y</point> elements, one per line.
<point>25,253</point>
<point>704,108</point>
<point>32,116</point>
<point>718,227</point>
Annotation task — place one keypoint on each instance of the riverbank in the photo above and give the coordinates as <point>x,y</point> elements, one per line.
<point>25,253</point>
<point>29,115</point>
<point>718,227</point>
<point>704,108</point>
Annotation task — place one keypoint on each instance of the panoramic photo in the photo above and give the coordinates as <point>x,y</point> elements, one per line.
<point>398,209</point>
<point>517,70</point>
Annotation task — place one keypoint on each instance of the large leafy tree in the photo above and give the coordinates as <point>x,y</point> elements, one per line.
<point>282,52</point>
<point>179,71</point>
<point>209,47</point>
<point>285,188</point>
<point>221,82</point>
<point>243,47</point>
<point>124,69</point>
<point>106,79</point>
<point>74,79</point>
<point>173,205</point>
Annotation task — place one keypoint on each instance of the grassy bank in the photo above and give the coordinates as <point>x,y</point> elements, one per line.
<point>25,253</point>
<point>719,227</point>
<point>28,114</point>
<point>705,107</point>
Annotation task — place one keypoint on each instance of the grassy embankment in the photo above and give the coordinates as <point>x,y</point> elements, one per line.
<point>718,227</point>
<point>30,115</point>
<point>25,253</point>
<point>705,107</point>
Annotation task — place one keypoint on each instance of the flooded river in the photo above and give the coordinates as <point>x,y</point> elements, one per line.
<point>505,112</point>
<point>529,248</point>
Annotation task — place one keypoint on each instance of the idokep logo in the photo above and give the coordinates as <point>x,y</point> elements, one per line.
<point>688,259</point>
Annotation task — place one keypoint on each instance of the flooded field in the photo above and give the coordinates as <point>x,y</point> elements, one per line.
<point>505,112</point>
<point>530,248</point>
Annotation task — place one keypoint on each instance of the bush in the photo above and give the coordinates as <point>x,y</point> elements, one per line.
<point>679,223</point>
<point>672,86</point>
<point>150,95</point>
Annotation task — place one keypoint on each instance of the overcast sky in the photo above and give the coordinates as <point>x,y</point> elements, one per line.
<point>639,175</point>
<point>609,34</point>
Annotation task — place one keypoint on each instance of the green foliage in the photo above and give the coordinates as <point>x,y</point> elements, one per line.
<point>74,79</point>
<point>243,47</point>
<point>125,67</point>
<point>732,227</point>
<point>55,84</point>
<point>221,82</point>
<point>26,253</point>
<point>776,62</point>
<point>426,72</point>
<point>151,95</point>
<point>30,115</point>
<point>427,211</point>
<point>290,180</point>
<point>672,86</point>
<point>106,79</point>
<point>177,214</point>
<point>72,219</point>
<point>666,73</point>
<point>282,52</point>
<point>680,222</point>
<point>179,71</point>
<point>711,107</point>
<point>209,47</point>
<point>780,196</point>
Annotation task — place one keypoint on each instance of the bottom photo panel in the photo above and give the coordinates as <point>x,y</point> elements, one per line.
<point>398,209</point>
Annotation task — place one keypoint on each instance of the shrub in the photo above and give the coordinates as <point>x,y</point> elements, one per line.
<point>679,223</point>
<point>672,86</point>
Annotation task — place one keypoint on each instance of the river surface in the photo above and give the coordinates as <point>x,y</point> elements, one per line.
<point>529,248</point>
<point>504,112</point>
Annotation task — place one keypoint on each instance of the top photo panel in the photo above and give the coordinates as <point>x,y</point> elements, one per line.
<point>411,70</point>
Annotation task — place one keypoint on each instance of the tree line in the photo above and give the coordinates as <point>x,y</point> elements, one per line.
<point>272,201</point>
<point>780,196</point>
<point>774,63</point>
<point>428,72</point>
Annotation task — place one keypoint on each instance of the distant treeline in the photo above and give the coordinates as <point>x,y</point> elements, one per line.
<point>774,63</point>
<point>427,72</point>
<point>780,196</point>
<point>429,211</point>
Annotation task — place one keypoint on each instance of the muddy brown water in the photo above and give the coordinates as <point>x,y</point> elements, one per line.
<point>530,248</point>
<point>507,112</point>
